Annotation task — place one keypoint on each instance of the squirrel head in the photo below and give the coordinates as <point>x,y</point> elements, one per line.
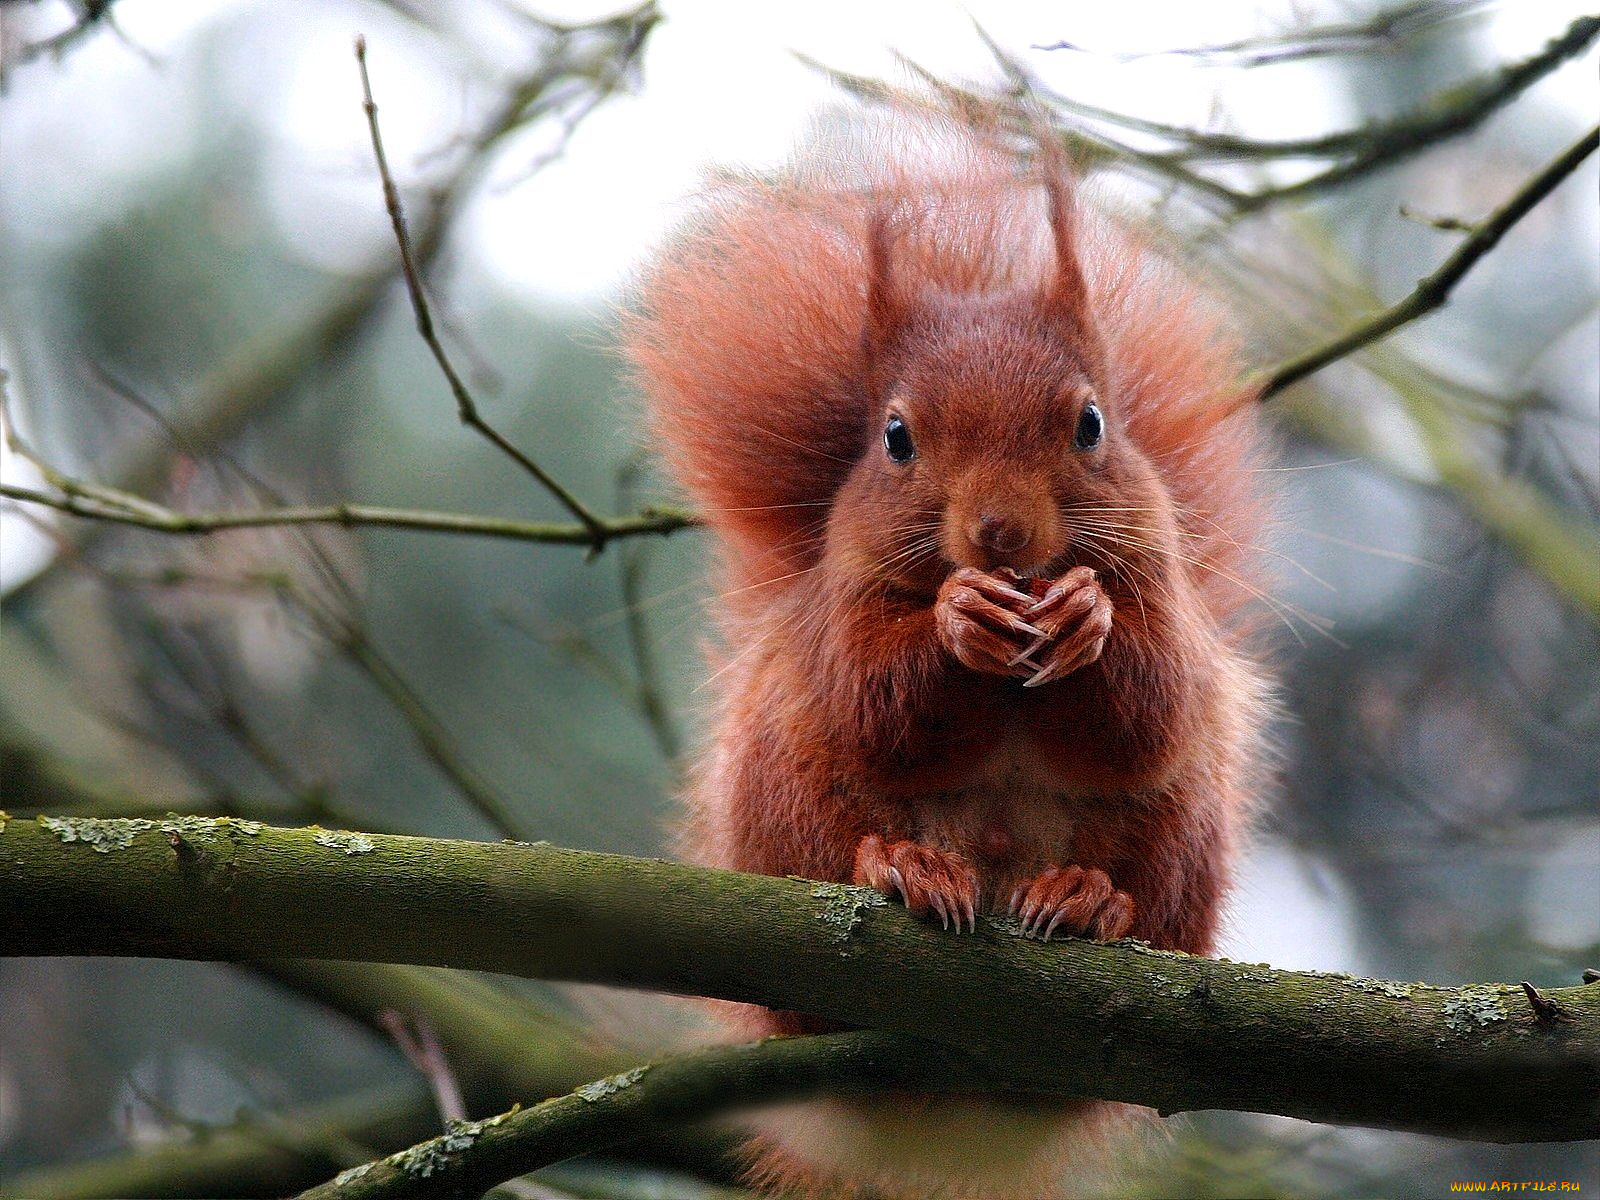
<point>995,440</point>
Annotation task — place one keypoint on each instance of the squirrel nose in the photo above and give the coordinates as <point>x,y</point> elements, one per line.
<point>1003,535</point>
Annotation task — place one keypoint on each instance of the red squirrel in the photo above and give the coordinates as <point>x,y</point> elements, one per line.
<point>983,477</point>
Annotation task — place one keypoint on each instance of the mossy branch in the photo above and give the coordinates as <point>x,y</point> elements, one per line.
<point>1168,1031</point>
<point>503,1049</point>
<point>649,1101</point>
<point>257,1155</point>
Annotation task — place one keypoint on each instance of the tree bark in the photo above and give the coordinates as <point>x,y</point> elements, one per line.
<point>1117,1021</point>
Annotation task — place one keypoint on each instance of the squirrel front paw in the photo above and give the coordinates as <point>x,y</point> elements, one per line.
<point>979,622</point>
<point>1074,614</point>
<point>928,880</point>
<point>1075,900</point>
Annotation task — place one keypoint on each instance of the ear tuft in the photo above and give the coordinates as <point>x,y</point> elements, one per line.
<point>886,308</point>
<point>1067,296</point>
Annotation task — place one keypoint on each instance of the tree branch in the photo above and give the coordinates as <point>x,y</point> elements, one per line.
<point>268,365</point>
<point>1352,153</point>
<point>658,520</point>
<point>466,407</point>
<point>1383,31</point>
<point>502,1047</point>
<point>1171,1032</point>
<point>650,1101</point>
<point>255,1155</point>
<point>1453,111</point>
<point>1433,291</point>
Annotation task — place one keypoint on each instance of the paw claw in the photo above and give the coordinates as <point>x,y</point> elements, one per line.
<point>1044,675</point>
<point>928,881</point>
<point>1075,900</point>
<point>1025,656</point>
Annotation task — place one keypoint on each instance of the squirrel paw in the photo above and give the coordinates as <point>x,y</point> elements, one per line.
<point>1074,614</point>
<point>928,880</point>
<point>1075,900</point>
<point>979,619</point>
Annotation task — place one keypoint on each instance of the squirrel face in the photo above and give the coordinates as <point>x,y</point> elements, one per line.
<point>994,448</point>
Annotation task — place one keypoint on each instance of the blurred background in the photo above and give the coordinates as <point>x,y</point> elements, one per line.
<point>200,303</point>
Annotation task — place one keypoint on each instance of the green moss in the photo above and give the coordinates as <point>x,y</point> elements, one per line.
<point>100,834</point>
<point>844,907</point>
<point>354,1173</point>
<point>1472,1008</point>
<point>1165,985</point>
<point>105,834</point>
<point>423,1159</point>
<point>610,1086</point>
<point>1141,947</point>
<point>1383,987</point>
<point>429,1158</point>
<point>350,843</point>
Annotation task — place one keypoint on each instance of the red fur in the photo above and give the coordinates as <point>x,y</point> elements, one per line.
<point>872,725</point>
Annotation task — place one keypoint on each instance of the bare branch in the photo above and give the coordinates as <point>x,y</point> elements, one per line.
<point>1434,291</point>
<point>466,407</point>
<point>1355,152</point>
<point>1384,30</point>
<point>96,503</point>
<point>422,1048</point>
<point>91,15</point>
<point>100,502</point>
<point>1454,111</point>
<point>435,741</point>
<point>269,364</point>
<point>651,1100</point>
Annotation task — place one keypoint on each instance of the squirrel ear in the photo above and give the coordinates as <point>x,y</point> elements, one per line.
<point>1068,292</point>
<point>885,301</point>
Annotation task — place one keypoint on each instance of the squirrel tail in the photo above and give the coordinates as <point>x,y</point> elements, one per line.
<point>911,1147</point>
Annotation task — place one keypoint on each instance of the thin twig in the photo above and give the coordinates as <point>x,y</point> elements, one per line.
<point>1354,153</point>
<point>466,408</point>
<point>269,365</point>
<point>1434,291</point>
<point>95,503</point>
<point>432,737</point>
<point>91,15</point>
<point>1384,31</point>
<point>646,670</point>
<point>651,1099</point>
<point>421,1046</point>
<point>1454,110</point>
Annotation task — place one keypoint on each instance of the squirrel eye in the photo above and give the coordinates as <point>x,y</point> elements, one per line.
<point>1091,428</point>
<point>897,440</point>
